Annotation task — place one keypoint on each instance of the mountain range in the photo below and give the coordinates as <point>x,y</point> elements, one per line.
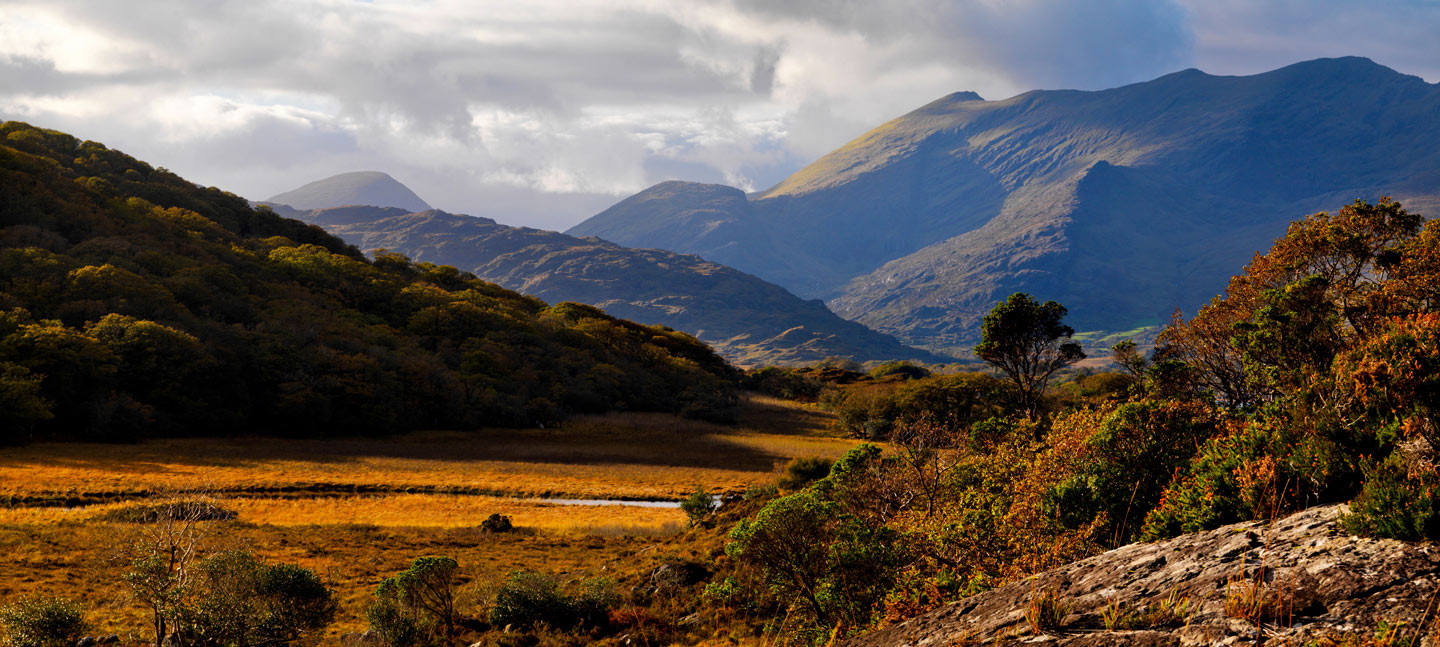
<point>1122,204</point>
<point>744,318</point>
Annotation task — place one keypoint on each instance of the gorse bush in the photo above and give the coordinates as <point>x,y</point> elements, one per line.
<point>1398,501</point>
<point>1126,462</point>
<point>1260,469</point>
<point>42,622</point>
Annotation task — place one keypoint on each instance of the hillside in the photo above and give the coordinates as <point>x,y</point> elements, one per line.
<point>744,318</point>
<point>134,303</point>
<point>1123,204</point>
<point>362,187</point>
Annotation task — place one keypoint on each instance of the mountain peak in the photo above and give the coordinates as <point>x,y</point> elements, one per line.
<point>1336,70</point>
<point>368,188</point>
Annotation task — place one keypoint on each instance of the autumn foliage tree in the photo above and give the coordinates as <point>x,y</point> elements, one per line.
<point>1330,282</point>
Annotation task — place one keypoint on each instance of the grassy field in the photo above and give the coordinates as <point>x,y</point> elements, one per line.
<point>357,511</point>
<point>618,456</point>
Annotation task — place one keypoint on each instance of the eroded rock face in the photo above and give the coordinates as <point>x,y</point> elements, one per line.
<point>1316,579</point>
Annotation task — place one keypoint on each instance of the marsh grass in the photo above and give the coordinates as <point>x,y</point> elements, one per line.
<point>615,456</point>
<point>359,510</point>
<point>77,559</point>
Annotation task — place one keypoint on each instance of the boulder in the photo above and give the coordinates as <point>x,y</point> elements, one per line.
<point>497,523</point>
<point>678,573</point>
<point>1312,581</point>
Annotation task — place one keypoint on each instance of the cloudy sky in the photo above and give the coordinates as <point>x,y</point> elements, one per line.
<point>542,112</point>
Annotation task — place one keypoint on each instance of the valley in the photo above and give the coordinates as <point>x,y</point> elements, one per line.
<point>356,510</point>
<point>1153,363</point>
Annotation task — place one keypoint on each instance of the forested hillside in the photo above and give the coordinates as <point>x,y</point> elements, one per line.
<point>133,303</point>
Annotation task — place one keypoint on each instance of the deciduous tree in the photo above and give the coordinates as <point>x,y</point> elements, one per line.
<point>1029,342</point>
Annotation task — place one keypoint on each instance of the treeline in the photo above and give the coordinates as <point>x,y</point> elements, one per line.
<point>134,303</point>
<point>1314,379</point>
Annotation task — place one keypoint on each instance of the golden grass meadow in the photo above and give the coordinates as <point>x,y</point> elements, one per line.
<point>358,510</point>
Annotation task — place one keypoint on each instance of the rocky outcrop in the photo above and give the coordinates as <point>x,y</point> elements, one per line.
<point>1302,578</point>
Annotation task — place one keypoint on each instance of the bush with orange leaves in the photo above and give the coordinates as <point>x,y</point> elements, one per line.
<point>1328,284</point>
<point>1391,384</point>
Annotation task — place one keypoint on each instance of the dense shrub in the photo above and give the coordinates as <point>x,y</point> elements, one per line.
<point>237,599</point>
<point>1261,468</point>
<point>1398,501</point>
<point>804,470</point>
<point>807,547</point>
<point>497,523</point>
<point>699,506</point>
<point>393,623</point>
<point>899,370</point>
<point>42,622</point>
<point>787,383</point>
<point>1125,463</point>
<point>527,599</point>
<point>957,401</point>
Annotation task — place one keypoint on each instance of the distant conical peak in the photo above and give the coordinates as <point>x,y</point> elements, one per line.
<point>368,188</point>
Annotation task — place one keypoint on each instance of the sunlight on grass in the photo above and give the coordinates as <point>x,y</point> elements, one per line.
<point>621,456</point>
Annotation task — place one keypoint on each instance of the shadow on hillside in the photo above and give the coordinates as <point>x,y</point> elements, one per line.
<point>648,439</point>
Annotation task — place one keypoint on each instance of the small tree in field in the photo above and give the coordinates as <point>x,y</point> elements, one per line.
<point>1028,341</point>
<point>419,600</point>
<point>161,555</point>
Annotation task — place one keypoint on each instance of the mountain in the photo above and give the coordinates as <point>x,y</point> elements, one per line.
<point>359,188</point>
<point>1122,204</point>
<point>746,319</point>
<point>134,303</point>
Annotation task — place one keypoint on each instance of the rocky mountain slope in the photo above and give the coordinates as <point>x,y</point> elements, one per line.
<point>1123,204</point>
<point>746,319</point>
<point>1314,582</point>
<point>359,188</point>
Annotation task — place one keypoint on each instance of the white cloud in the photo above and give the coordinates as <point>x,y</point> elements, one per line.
<point>545,111</point>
